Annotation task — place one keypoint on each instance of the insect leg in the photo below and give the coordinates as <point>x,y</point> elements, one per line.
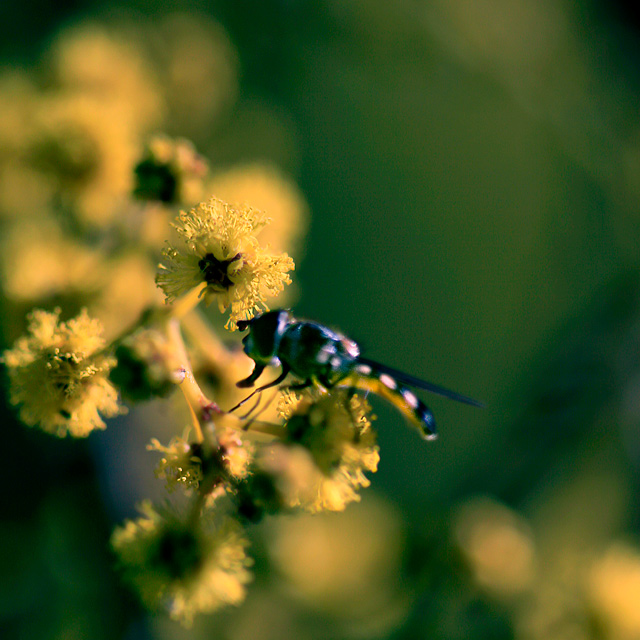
<point>255,374</point>
<point>251,410</point>
<point>254,418</point>
<point>283,374</point>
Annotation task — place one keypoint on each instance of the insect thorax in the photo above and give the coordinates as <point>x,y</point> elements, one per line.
<point>315,352</point>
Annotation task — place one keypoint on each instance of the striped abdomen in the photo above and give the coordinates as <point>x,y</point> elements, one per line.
<point>368,378</point>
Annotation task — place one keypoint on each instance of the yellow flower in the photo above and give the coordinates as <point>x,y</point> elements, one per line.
<point>614,589</point>
<point>197,94</point>
<point>218,248</point>
<point>185,464</point>
<point>497,546</point>
<point>348,566</point>
<point>87,147</point>
<point>321,466</point>
<point>171,171</point>
<point>57,376</point>
<point>180,567</point>
<point>110,65</point>
<point>39,261</point>
<point>337,431</point>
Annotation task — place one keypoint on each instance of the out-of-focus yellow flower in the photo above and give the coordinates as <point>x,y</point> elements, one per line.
<point>18,100</point>
<point>59,378</point>
<point>39,262</point>
<point>18,107</point>
<point>170,171</point>
<point>110,66</point>
<point>219,248</point>
<point>126,290</point>
<point>614,589</point>
<point>497,545</point>
<point>18,177</point>
<point>266,188</point>
<point>555,609</point>
<point>88,147</point>
<point>196,93</point>
<point>182,568</point>
<point>346,565</point>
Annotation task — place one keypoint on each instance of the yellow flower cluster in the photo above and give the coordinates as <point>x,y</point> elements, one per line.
<point>337,434</point>
<point>181,568</point>
<point>59,376</point>
<point>102,196</point>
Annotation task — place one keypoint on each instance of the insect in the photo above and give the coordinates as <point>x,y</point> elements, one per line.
<point>320,356</point>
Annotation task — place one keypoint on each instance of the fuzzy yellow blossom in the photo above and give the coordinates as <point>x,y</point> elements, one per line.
<point>196,94</point>
<point>58,376</point>
<point>218,248</point>
<point>109,65</point>
<point>329,447</point>
<point>184,464</point>
<point>87,147</point>
<point>39,262</point>
<point>18,98</point>
<point>182,568</point>
<point>497,545</point>
<point>18,105</point>
<point>614,589</point>
<point>347,565</point>
<point>337,431</point>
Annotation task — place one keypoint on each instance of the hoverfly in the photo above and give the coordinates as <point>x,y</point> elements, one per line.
<point>319,356</point>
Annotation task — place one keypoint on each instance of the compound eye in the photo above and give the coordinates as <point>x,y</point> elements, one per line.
<point>243,325</point>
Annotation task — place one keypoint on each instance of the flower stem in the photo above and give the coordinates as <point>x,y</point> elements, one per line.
<point>187,302</point>
<point>193,394</point>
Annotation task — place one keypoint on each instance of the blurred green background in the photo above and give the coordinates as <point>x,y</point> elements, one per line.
<point>473,175</point>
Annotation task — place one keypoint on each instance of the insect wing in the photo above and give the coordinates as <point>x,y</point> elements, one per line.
<point>412,381</point>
